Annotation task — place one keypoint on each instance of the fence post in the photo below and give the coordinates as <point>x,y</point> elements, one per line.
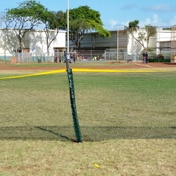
<point>73,106</point>
<point>105,55</point>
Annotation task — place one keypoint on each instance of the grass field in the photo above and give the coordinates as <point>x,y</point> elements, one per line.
<point>128,123</point>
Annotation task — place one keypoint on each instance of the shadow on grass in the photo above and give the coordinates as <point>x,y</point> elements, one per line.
<point>62,133</point>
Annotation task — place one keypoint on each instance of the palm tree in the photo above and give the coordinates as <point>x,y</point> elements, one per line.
<point>142,37</point>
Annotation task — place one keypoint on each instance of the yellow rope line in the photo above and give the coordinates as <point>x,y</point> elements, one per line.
<point>85,70</point>
<point>116,71</point>
<point>34,74</point>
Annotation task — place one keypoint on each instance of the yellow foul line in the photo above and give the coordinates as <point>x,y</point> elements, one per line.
<point>34,74</point>
<point>116,71</point>
<point>84,70</point>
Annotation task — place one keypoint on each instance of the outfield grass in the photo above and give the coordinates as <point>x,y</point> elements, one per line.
<point>128,123</point>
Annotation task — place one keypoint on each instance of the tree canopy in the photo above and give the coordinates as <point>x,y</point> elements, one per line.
<point>23,18</point>
<point>28,13</point>
<point>82,20</point>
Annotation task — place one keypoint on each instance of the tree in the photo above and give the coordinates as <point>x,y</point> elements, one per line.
<point>62,20</point>
<point>143,37</point>
<point>23,19</point>
<point>50,21</point>
<point>82,20</point>
<point>28,16</point>
<point>150,31</point>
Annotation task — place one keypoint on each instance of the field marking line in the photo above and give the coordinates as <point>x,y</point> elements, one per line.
<point>116,71</point>
<point>145,65</point>
<point>85,70</point>
<point>33,74</point>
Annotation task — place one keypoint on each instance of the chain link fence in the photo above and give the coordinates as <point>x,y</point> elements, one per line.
<point>111,55</point>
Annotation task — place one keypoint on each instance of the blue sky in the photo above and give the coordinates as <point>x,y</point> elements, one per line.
<point>115,14</point>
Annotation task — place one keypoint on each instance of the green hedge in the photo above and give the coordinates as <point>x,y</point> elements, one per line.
<point>159,60</point>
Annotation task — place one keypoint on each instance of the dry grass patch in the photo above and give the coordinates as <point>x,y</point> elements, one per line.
<point>115,157</point>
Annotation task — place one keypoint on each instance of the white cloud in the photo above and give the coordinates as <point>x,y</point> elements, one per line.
<point>154,21</point>
<point>113,25</point>
<point>162,7</point>
<point>159,8</point>
<point>173,21</point>
<point>128,6</point>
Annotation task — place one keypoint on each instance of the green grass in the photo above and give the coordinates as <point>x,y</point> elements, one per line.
<point>128,123</point>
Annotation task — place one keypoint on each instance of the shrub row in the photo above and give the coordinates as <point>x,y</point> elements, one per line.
<point>159,59</point>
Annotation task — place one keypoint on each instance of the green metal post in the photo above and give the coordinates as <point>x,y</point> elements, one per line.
<point>73,105</point>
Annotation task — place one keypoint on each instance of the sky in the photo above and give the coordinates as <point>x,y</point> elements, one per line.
<point>115,14</point>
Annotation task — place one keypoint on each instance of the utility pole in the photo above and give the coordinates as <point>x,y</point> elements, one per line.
<point>68,26</point>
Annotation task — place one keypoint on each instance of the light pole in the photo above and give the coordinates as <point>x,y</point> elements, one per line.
<point>68,29</point>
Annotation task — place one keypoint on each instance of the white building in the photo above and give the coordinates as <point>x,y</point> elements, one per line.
<point>121,46</point>
<point>35,44</point>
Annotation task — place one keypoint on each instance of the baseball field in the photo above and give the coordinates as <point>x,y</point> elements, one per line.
<point>126,113</point>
